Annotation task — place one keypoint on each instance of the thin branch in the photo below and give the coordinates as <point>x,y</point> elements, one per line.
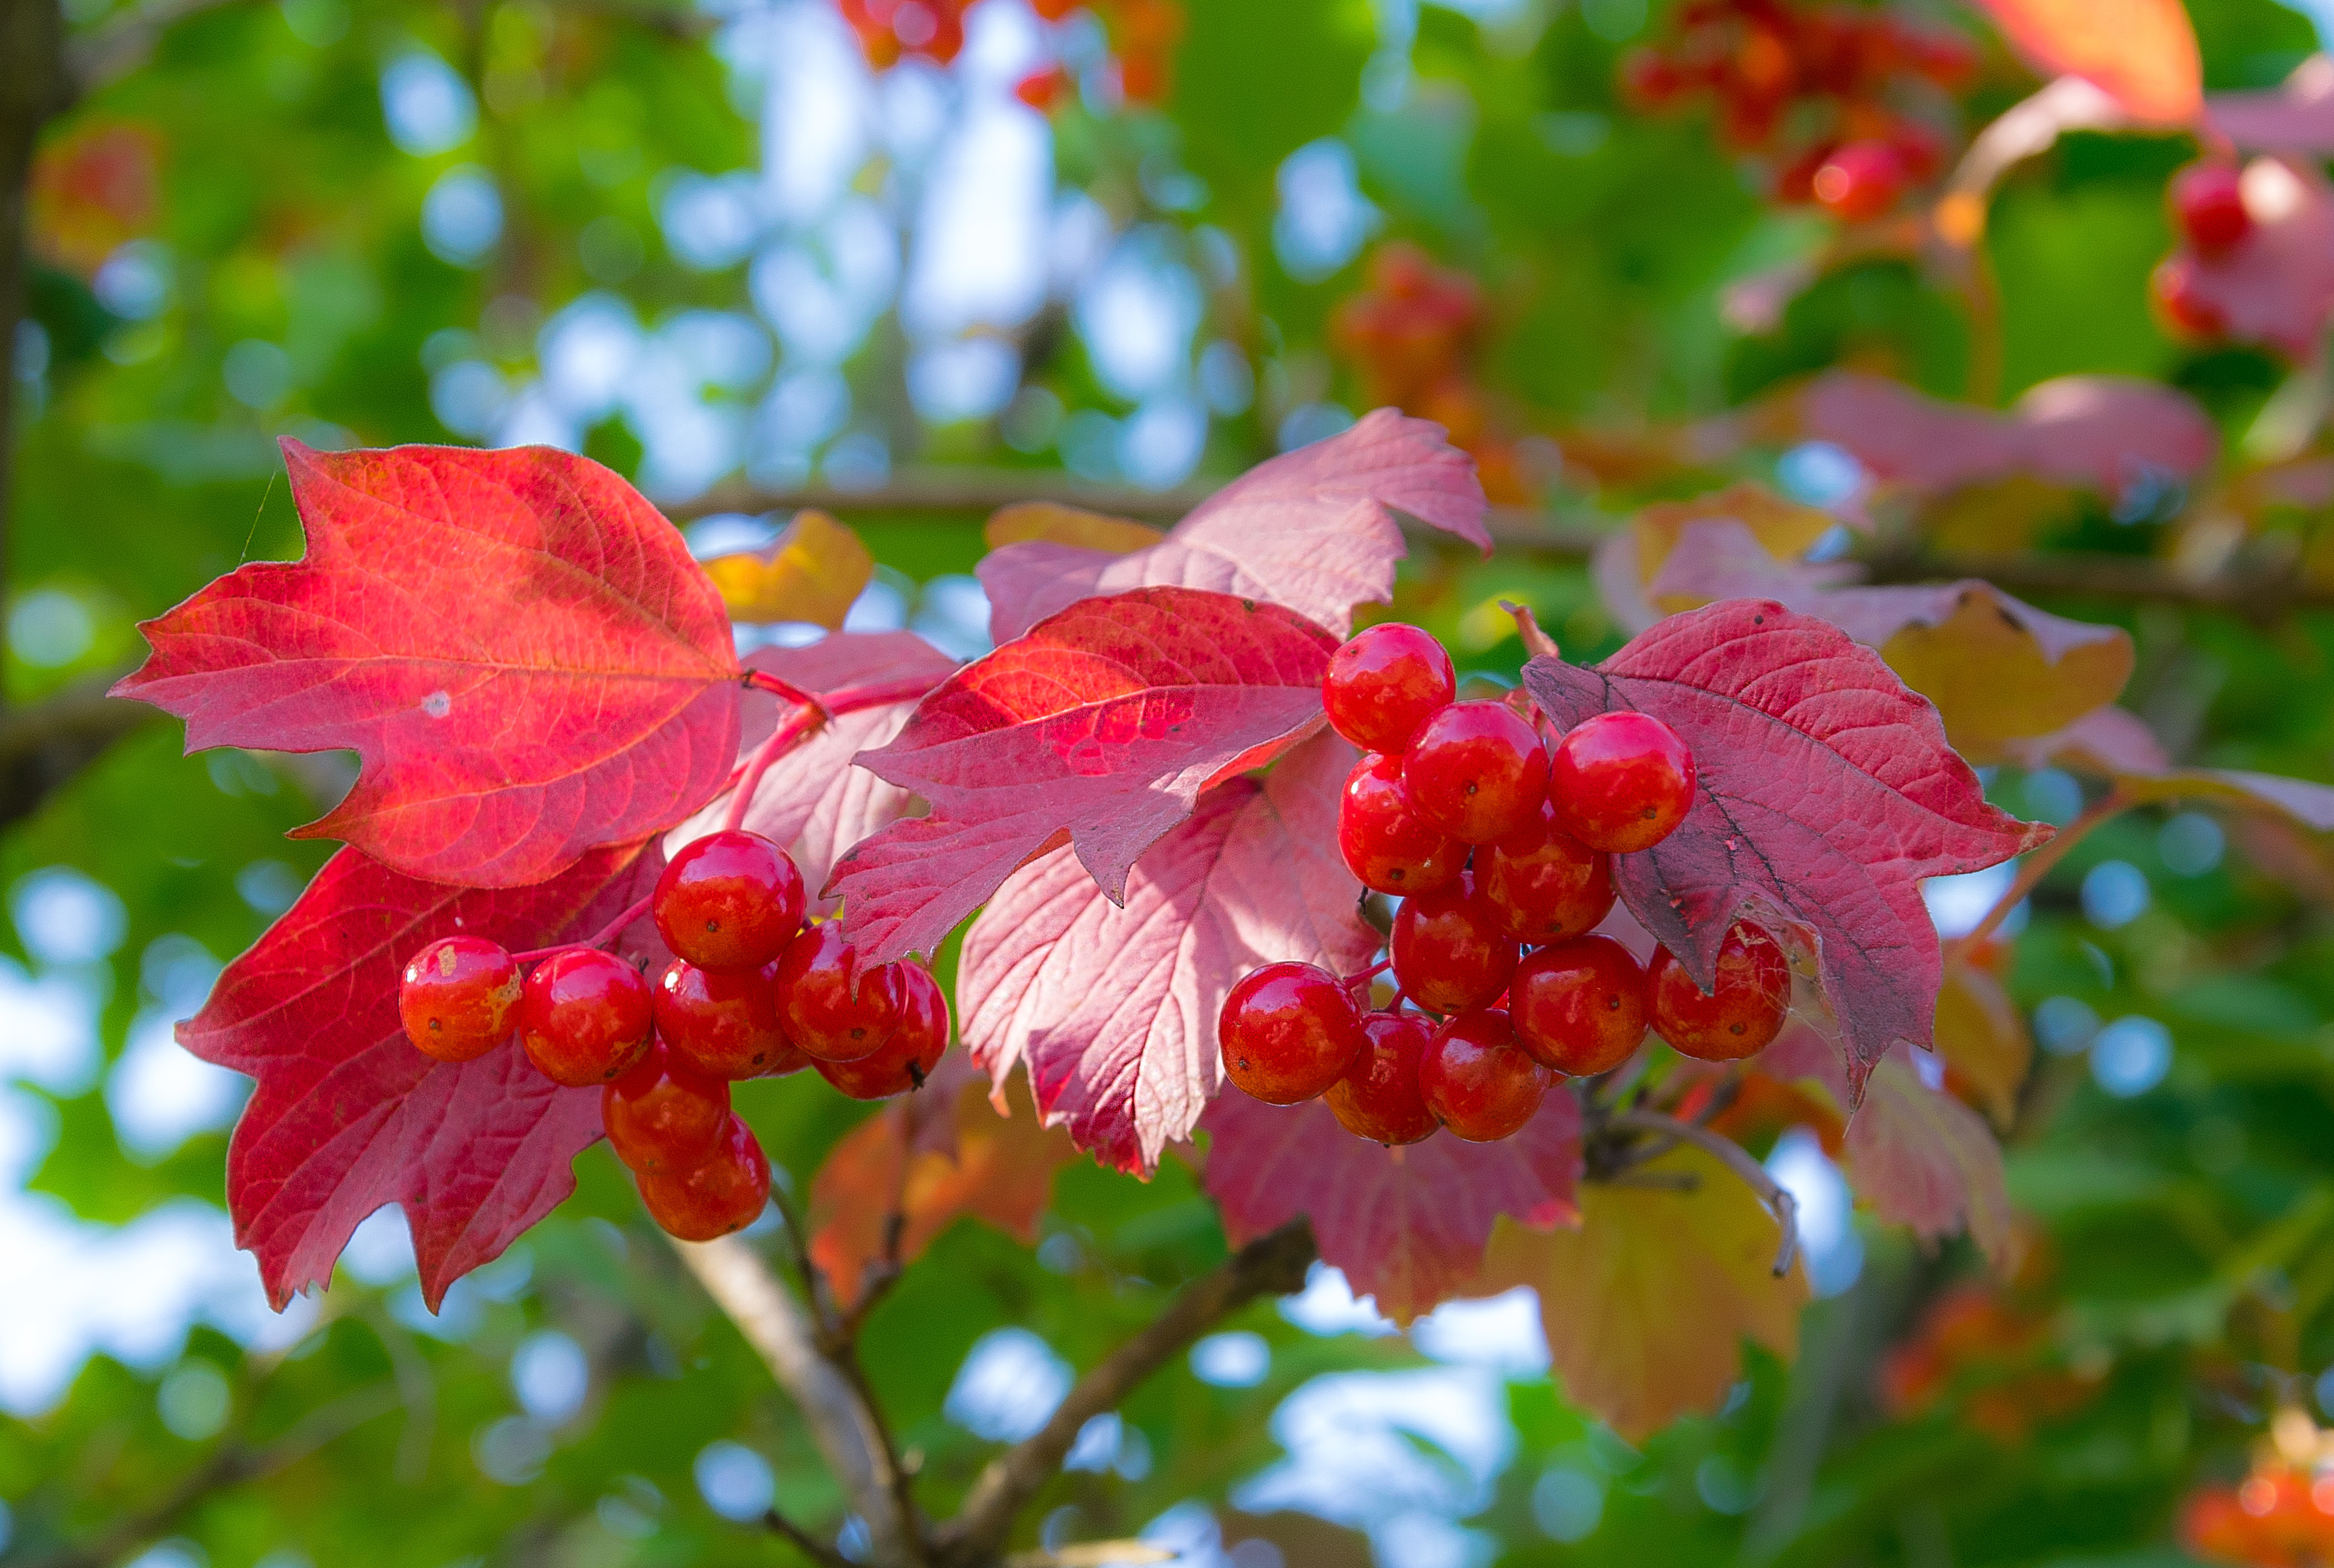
<point>845,1429</point>
<point>2034,868</point>
<point>48,743</point>
<point>1272,1264</point>
<point>1736,1159</point>
<point>804,1542</point>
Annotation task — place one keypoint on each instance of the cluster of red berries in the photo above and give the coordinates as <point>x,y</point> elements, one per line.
<point>890,30</point>
<point>1813,87</point>
<point>1142,37</point>
<point>753,993</point>
<point>2209,213</point>
<point>2279,1516</point>
<point>1494,843</point>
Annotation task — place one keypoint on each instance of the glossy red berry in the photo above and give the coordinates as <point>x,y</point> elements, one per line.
<point>583,1016</point>
<point>728,900</point>
<point>1383,843</point>
<point>2209,203</point>
<point>2179,293</point>
<point>1380,1097</point>
<point>1478,1081</point>
<point>1861,180</point>
<point>1740,1016</point>
<point>1620,782</point>
<point>903,1062</point>
<point>1542,884</point>
<point>832,1009</point>
<point>1384,683</point>
<point>723,1023</point>
<point>1449,951</point>
<point>723,1192</point>
<point>1579,1006</point>
<point>1477,771</point>
<point>661,1116</point>
<point>1287,1032</point>
<point>459,998</point>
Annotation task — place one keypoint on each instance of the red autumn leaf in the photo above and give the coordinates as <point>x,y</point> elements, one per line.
<point>347,1116</point>
<point>2102,432</point>
<point>1826,792</point>
<point>2140,52</point>
<point>812,799</point>
<point>1113,1009</point>
<point>1313,529</point>
<point>1407,1226</point>
<point>516,644</point>
<point>1102,726</point>
<point>2277,284</point>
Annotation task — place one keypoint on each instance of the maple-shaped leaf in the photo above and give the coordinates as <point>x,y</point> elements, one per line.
<point>2106,433</point>
<point>812,572</point>
<point>1114,1008</point>
<point>1407,1226</point>
<point>2117,744</point>
<point>515,644</point>
<point>1999,670</point>
<point>1826,792</point>
<point>2140,52</point>
<point>997,1167</point>
<point>1313,530</point>
<point>2276,286</point>
<point>1102,726</point>
<point>346,1115</point>
<point>812,799</point>
<point>1646,1302</point>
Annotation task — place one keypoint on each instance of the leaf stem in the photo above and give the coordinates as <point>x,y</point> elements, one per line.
<point>763,680</point>
<point>601,937</point>
<point>1355,982</point>
<point>1736,1159</point>
<point>800,727</point>
<point>811,713</point>
<point>2034,868</point>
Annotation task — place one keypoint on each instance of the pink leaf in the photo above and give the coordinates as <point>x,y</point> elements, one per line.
<point>2297,116</point>
<point>1826,792</point>
<point>1102,726</point>
<point>2277,284</point>
<point>1922,1159</point>
<point>1114,1008</point>
<point>347,1115</point>
<point>516,644</point>
<point>813,800</point>
<point>1407,1226</point>
<point>1312,529</point>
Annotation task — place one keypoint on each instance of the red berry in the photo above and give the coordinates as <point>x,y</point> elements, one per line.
<point>1621,780</point>
<point>1477,771</point>
<point>1860,182</point>
<point>1478,1081</point>
<point>2179,293</point>
<point>1579,1006</point>
<point>725,1192</point>
<point>583,1016</point>
<point>1382,840</point>
<point>903,1062</point>
<point>459,998</point>
<point>1379,1098</point>
<point>729,900</point>
<point>1542,883</point>
<point>1740,1016</point>
<point>724,1023</point>
<point>1385,683</point>
<point>831,1009</point>
<point>661,1116</point>
<point>1287,1032</point>
<point>1449,951</point>
<point>2208,201</point>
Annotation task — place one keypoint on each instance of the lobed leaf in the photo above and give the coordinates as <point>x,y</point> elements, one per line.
<point>346,1115</point>
<point>1826,792</point>
<point>1101,726</point>
<point>515,644</point>
<point>812,572</point>
<point>1408,1226</point>
<point>1112,1008</point>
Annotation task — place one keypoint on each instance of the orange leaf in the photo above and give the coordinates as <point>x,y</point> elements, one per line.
<point>812,572</point>
<point>2140,52</point>
<point>1051,523</point>
<point>1002,1171</point>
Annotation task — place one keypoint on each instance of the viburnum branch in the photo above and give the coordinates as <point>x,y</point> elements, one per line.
<point>848,1434</point>
<point>2034,868</point>
<point>1736,1159</point>
<point>804,1542</point>
<point>1272,1264</point>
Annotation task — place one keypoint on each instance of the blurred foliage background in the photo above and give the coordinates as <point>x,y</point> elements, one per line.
<point>1101,254</point>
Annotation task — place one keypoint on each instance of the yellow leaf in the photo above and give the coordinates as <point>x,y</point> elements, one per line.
<point>1996,516</point>
<point>1646,1304</point>
<point>2140,52</point>
<point>2002,671</point>
<point>812,572</point>
<point>1983,1040</point>
<point>1054,523</point>
<point>1784,529</point>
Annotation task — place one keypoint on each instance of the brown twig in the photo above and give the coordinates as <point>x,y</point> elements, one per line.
<point>47,744</point>
<point>1736,1159</point>
<point>804,1542</point>
<point>1272,1264</point>
<point>2034,868</point>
